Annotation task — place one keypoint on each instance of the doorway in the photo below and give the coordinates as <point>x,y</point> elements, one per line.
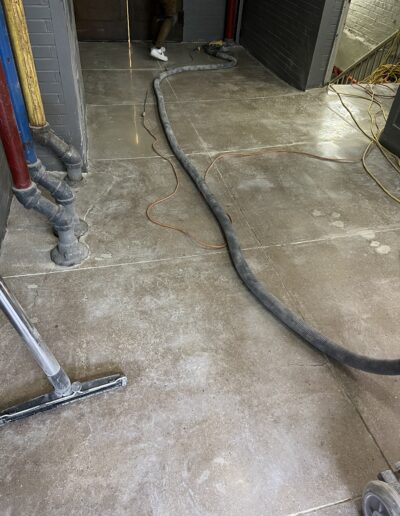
<point>113,20</point>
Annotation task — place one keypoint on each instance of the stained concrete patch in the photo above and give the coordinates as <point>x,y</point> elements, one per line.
<point>338,224</point>
<point>383,249</point>
<point>367,234</point>
<point>317,213</point>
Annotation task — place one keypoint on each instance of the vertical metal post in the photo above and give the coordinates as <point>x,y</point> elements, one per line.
<point>239,21</point>
<point>230,22</point>
<point>40,352</point>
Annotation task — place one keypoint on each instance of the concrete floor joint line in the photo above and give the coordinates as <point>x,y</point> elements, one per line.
<point>326,506</point>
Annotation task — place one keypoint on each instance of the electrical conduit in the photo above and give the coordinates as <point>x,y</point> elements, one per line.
<point>230,20</point>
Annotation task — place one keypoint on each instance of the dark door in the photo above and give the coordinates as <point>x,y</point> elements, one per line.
<point>101,20</point>
<point>106,20</point>
<point>141,13</point>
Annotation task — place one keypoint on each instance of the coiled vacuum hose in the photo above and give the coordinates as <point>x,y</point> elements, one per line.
<point>270,302</point>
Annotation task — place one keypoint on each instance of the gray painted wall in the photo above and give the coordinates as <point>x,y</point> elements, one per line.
<point>327,35</point>
<point>204,20</point>
<point>51,25</point>
<point>293,39</point>
<point>5,193</point>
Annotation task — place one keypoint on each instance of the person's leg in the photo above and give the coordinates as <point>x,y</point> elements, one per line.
<point>163,33</point>
<point>155,29</point>
<point>170,15</point>
<point>156,20</point>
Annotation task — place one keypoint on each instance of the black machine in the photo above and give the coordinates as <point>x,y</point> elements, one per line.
<point>382,497</point>
<point>390,137</point>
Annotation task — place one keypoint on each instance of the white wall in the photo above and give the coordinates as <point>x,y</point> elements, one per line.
<point>369,22</point>
<point>373,20</point>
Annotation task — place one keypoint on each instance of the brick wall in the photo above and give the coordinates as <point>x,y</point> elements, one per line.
<point>373,20</point>
<point>293,39</point>
<point>52,32</point>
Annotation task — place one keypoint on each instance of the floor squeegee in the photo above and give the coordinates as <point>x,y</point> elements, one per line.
<point>26,191</point>
<point>64,390</point>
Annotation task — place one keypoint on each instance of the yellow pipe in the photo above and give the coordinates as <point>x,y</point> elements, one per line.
<point>15,15</point>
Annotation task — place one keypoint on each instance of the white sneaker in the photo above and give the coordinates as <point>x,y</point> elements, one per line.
<point>159,53</point>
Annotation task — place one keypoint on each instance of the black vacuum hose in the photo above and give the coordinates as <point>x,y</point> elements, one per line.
<point>270,302</point>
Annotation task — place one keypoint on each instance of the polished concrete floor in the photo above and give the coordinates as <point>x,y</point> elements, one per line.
<point>226,412</point>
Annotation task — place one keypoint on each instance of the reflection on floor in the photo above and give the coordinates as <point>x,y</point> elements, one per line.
<point>226,412</point>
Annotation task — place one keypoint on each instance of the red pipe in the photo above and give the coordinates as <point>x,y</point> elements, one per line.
<point>10,138</point>
<point>230,19</point>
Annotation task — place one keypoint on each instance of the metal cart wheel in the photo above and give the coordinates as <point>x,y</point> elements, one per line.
<point>381,499</point>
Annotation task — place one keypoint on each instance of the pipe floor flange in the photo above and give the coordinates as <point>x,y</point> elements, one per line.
<point>73,183</point>
<point>70,257</point>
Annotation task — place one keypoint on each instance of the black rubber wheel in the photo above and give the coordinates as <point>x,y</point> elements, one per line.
<point>380,499</point>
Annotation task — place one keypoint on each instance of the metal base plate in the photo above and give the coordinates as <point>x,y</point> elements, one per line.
<point>71,256</point>
<point>50,401</point>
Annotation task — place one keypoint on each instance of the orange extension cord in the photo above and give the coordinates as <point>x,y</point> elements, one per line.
<point>257,152</point>
<point>243,154</point>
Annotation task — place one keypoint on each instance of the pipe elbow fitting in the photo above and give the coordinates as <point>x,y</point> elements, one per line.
<point>61,192</point>
<point>32,199</point>
<point>28,197</point>
<point>41,134</point>
<point>67,153</point>
<point>71,157</point>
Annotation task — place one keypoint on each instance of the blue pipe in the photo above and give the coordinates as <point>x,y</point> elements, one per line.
<point>10,70</point>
